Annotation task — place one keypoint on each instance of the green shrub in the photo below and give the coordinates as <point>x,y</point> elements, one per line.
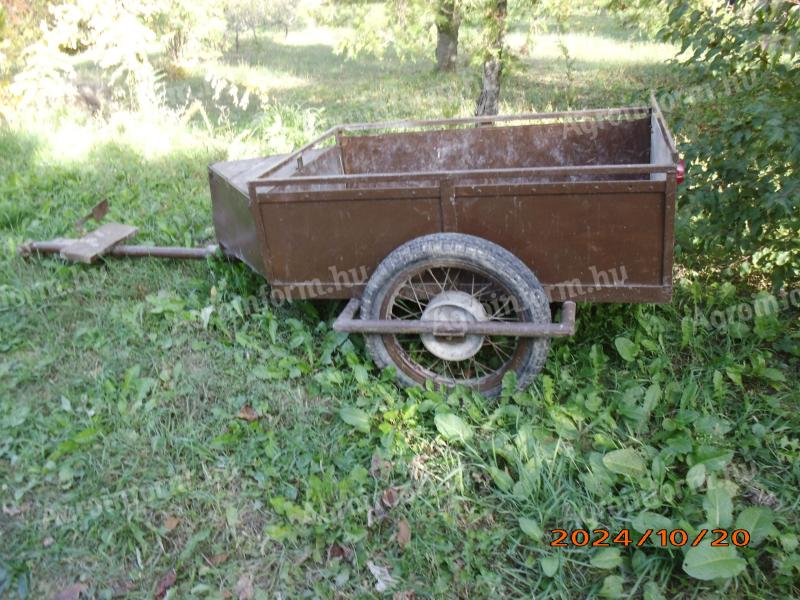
<point>742,206</point>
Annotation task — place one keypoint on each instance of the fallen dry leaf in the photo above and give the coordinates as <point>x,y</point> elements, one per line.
<point>217,559</point>
<point>338,551</point>
<point>761,498</point>
<point>378,466</point>
<point>244,587</point>
<point>390,497</point>
<point>383,579</point>
<point>247,413</point>
<point>48,541</point>
<point>72,592</point>
<point>403,533</point>
<point>404,595</point>
<point>417,467</point>
<point>167,581</point>
<point>388,500</point>
<point>170,523</point>
<point>122,587</point>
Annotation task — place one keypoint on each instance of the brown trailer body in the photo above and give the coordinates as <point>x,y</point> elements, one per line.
<point>585,199</point>
<point>452,239</point>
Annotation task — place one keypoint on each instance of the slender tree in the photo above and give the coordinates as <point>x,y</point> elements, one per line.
<point>407,25</point>
<point>489,100</point>
<point>448,22</point>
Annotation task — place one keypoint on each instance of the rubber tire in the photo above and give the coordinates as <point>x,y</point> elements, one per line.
<point>509,270</point>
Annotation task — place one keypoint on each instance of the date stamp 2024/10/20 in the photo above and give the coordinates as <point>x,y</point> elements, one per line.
<point>678,538</point>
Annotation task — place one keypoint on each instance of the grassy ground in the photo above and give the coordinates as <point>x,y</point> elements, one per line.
<point>127,449</point>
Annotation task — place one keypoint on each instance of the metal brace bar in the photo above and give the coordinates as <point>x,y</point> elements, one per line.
<point>55,247</point>
<point>346,322</point>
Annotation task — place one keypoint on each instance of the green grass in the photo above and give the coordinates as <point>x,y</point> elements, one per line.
<point>120,386</point>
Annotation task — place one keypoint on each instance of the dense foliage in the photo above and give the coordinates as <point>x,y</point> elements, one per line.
<point>742,209</point>
<point>122,39</point>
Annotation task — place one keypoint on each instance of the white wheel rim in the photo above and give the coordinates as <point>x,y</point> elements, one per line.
<point>453,307</point>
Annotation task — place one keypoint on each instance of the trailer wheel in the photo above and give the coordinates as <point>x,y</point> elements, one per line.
<point>449,277</point>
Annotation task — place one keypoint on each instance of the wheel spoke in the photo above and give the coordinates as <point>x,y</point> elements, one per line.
<point>500,309</point>
<point>481,291</point>
<point>441,287</point>
<point>474,364</point>
<point>416,298</point>
<point>447,278</point>
<point>449,366</point>
<point>505,355</point>
<point>410,312</point>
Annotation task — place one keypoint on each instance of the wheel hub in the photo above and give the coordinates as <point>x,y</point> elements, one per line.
<point>453,307</point>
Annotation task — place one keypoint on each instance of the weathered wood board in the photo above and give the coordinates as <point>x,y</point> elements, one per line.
<point>98,242</point>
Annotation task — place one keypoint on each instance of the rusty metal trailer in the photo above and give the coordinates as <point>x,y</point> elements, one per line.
<point>411,219</point>
<point>452,238</point>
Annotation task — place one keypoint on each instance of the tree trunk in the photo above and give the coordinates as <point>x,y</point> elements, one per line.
<point>489,100</point>
<point>448,21</point>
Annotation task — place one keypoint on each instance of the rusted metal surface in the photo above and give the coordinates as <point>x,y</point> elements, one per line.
<point>347,322</point>
<point>588,204</point>
<point>58,245</point>
<point>165,251</point>
<point>500,119</point>
<point>570,239</point>
<point>327,240</point>
<point>488,148</point>
<point>590,122</point>
<point>526,175</point>
<point>299,155</point>
<point>233,221</point>
<point>97,213</point>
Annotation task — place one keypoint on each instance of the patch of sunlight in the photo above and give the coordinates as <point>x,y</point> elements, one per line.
<point>322,36</point>
<point>261,78</point>
<point>67,141</point>
<point>151,135</point>
<point>587,47</point>
<point>244,146</point>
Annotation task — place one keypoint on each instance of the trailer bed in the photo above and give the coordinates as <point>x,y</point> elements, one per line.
<point>586,200</point>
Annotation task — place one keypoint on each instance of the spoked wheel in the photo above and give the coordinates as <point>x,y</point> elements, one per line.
<point>450,277</point>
